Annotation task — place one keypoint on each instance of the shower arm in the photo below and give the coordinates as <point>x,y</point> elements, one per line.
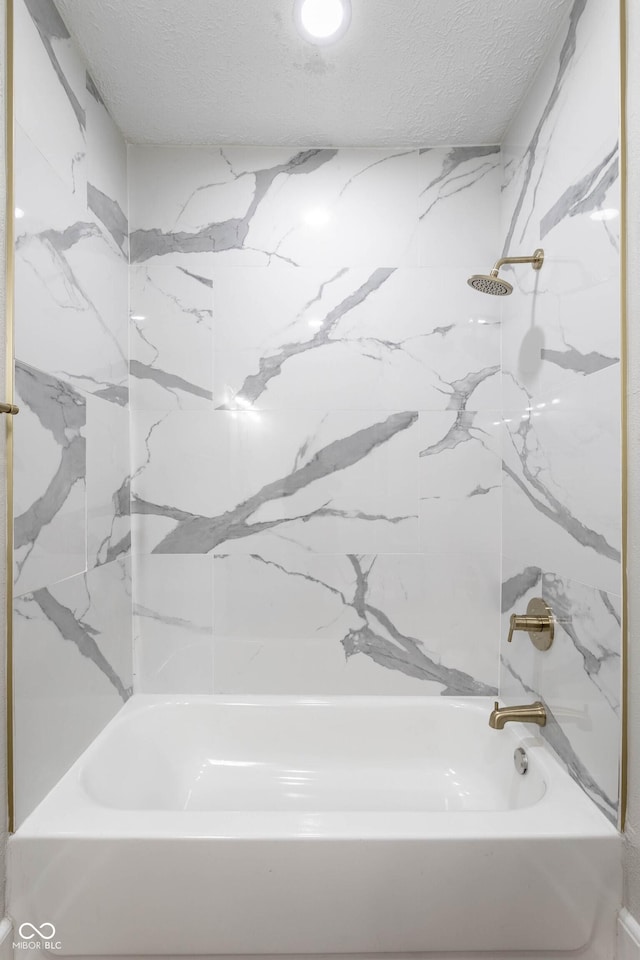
<point>536,260</point>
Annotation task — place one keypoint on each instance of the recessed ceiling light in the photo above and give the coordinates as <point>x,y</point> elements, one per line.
<point>322,21</point>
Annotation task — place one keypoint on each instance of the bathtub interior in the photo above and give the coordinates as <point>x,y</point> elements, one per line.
<point>320,754</point>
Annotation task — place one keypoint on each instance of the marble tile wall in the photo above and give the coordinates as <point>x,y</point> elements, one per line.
<point>315,401</point>
<point>72,614</point>
<point>561,397</point>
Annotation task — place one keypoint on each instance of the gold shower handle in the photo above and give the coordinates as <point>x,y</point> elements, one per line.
<point>9,408</point>
<point>530,624</point>
<point>538,622</point>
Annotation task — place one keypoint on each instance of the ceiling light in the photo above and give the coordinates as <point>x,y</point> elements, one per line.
<point>322,21</point>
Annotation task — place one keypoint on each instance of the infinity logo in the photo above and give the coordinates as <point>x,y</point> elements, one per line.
<point>46,932</point>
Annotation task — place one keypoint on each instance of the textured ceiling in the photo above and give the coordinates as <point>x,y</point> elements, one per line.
<point>235,71</point>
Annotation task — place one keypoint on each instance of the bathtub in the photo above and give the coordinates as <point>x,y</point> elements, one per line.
<point>269,825</point>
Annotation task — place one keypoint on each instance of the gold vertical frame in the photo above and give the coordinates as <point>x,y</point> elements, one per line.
<point>9,389</point>
<point>624,429</point>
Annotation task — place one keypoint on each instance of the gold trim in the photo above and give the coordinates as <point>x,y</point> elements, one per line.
<point>9,388</point>
<point>624,438</point>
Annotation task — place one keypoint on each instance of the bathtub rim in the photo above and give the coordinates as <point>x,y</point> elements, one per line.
<point>564,810</point>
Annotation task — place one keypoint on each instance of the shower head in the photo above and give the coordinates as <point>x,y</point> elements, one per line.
<point>490,283</point>
<point>493,284</point>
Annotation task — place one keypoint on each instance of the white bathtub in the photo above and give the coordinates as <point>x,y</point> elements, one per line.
<point>275,825</point>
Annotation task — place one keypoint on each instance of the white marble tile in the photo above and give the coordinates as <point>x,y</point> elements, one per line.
<point>354,339</point>
<point>295,595</point>
<point>317,206</point>
<point>50,92</point>
<point>50,481</point>
<point>372,610</point>
<point>174,467</point>
<point>570,355</point>
<point>458,207</point>
<point>72,651</point>
<point>181,190</point>
<point>340,481</point>
<point>561,482</point>
<point>173,624</point>
<point>69,273</point>
<point>171,332</point>
<point>306,667</point>
<point>565,127</point>
<point>108,512</point>
<point>460,483</point>
<point>578,679</point>
<point>258,205</point>
<point>561,166</point>
<point>561,397</point>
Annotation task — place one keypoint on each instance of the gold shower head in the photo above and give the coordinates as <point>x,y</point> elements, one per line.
<point>494,285</point>
<point>490,283</point>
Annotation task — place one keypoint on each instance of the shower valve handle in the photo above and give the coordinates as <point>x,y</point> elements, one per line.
<point>538,623</point>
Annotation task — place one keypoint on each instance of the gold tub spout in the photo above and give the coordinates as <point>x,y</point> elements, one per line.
<point>525,713</point>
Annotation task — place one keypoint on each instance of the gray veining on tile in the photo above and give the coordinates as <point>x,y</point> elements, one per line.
<point>111,547</point>
<point>271,366</point>
<point>518,586</point>
<point>572,359</point>
<point>559,741</point>
<point>51,27</point>
<point>62,412</point>
<point>563,610</point>
<point>120,549</point>
<point>205,281</point>
<point>57,244</point>
<point>370,166</point>
<point>60,241</point>
<point>114,394</point>
<point>198,534</point>
<point>461,390</point>
<point>183,624</point>
<point>378,638</point>
<point>481,491</point>
<point>446,184</point>
<point>110,214</point>
<point>459,432</point>
<point>587,194</point>
<point>228,234</point>
<point>168,381</point>
<point>606,600</point>
<point>396,651</point>
<point>547,503</point>
<point>530,156</point>
<point>81,634</point>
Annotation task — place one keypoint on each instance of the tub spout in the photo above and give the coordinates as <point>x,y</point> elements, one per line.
<point>525,713</point>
